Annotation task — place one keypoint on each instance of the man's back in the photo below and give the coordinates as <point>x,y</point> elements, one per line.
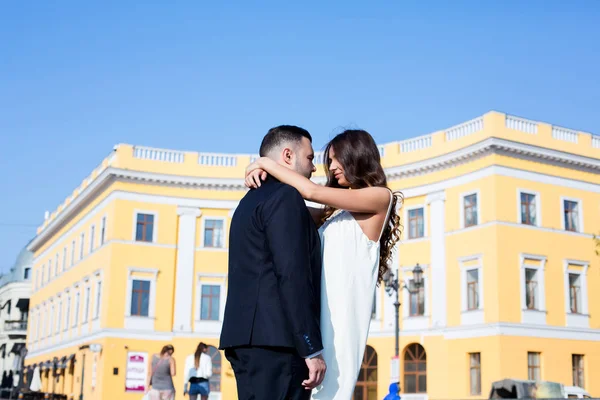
<point>274,277</point>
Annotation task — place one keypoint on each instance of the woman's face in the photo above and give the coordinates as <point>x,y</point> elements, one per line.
<point>337,170</point>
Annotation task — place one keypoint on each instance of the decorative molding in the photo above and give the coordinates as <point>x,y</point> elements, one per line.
<point>478,150</point>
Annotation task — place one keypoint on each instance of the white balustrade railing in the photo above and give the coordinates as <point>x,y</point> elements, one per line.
<point>596,142</point>
<point>520,124</point>
<point>217,160</point>
<point>465,129</point>
<point>148,153</point>
<point>418,143</point>
<point>566,135</point>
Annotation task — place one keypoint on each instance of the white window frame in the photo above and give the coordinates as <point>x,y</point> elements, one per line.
<point>535,317</point>
<point>86,289</point>
<point>92,238</point>
<point>420,322</point>
<point>49,328</point>
<point>581,320</point>
<point>49,270</point>
<point>59,316</point>
<point>562,213</point>
<point>462,208</point>
<point>475,262</point>
<point>538,207</point>
<point>134,321</point>
<point>76,308</point>
<point>201,325</point>
<point>407,223</point>
<point>56,263</point>
<point>73,245</point>
<point>103,227</point>
<point>43,269</point>
<point>64,260</point>
<point>202,231</point>
<point>97,308</point>
<point>82,246</point>
<point>68,310</point>
<point>136,212</point>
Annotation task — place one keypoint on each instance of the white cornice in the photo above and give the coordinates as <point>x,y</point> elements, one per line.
<point>475,151</point>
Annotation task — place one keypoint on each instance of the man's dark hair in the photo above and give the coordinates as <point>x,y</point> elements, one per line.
<point>281,134</point>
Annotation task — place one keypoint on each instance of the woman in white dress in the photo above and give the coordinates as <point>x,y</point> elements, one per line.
<point>359,227</point>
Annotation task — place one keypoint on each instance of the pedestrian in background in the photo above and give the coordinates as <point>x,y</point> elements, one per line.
<point>393,395</point>
<point>160,377</point>
<point>198,369</point>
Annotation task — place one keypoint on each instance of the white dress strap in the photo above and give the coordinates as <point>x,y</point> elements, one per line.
<point>387,215</point>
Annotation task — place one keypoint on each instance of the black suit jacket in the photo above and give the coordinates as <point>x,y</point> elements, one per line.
<point>274,288</point>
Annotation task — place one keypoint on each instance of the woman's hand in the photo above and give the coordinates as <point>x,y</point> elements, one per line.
<point>254,178</point>
<point>255,174</point>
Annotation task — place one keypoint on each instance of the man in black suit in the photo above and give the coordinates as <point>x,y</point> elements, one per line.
<point>271,332</point>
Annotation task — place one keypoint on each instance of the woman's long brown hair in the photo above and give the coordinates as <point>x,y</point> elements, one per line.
<point>359,156</point>
<point>199,350</point>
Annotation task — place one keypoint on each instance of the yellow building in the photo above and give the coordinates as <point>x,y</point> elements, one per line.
<point>499,212</point>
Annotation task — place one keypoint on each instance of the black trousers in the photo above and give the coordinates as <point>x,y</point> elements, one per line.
<point>268,373</point>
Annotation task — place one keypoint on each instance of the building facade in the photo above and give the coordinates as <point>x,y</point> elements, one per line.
<point>499,212</point>
<point>15,288</point>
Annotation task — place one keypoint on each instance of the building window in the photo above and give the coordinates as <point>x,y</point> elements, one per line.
<point>72,253</point>
<point>366,385</point>
<point>144,228</point>
<point>571,218</point>
<point>473,289</point>
<point>211,298</point>
<point>68,313</point>
<point>49,269</point>
<point>140,298</point>
<point>578,371</point>
<point>92,236</point>
<point>531,289</point>
<point>575,293</point>
<point>77,304</point>
<point>416,223</point>
<point>213,233</point>
<point>103,231</point>
<point>50,319</point>
<point>43,268</point>
<point>26,273</point>
<point>81,246</point>
<point>533,367</point>
<point>215,380</point>
<point>64,260</point>
<point>56,263</point>
<point>528,209</point>
<point>470,210</point>
<point>416,300</point>
<point>58,321</point>
<point>415,369</point>
<point>98,298</point>
<point>86,309</point>
<point>475,373</point>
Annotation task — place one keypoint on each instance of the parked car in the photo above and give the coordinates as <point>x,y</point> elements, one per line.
<point>522,389</point>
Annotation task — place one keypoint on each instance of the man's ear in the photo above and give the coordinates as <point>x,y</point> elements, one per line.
<point>287,155</point>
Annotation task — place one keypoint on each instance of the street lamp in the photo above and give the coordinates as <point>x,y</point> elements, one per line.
<point>393,285</point>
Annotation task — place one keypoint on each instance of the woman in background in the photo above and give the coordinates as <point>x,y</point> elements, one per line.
<point>198,369</point>
<point>160,377</point>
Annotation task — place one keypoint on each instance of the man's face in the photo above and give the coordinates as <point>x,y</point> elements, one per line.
<point>302,158</point>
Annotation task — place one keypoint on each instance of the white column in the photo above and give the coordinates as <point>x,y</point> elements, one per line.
<point>184,278</point>
<point>437,221</point>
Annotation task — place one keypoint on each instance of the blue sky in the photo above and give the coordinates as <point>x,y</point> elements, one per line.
<point>77,78</point>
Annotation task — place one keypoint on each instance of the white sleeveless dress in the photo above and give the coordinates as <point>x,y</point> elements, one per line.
<point>349,278</point>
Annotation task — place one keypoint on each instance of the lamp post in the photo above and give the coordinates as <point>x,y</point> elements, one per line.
<point>394,285</point>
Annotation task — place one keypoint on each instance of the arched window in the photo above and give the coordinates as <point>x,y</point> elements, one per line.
<point>215,380</point>
<point>366,386</point>
<point>415,369</point>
